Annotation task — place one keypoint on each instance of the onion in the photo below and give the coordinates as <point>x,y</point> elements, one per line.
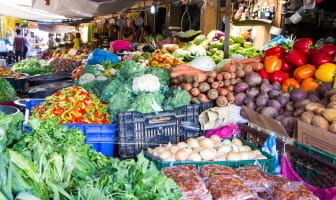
<point>215,138</point>
<point>244,148</point>
<point>150,151</point>
<point>237,141</point>
<point>207,154</point>
<point>256,152</point>
<point>221,157</point>
<point>158,150</point>
<point>206,143</point>
<point>194,157</point>
<point>226,142</point>
<point>245,155</point>
<point>247,148</point>
<point>224,149</point>
<point>260,157</point>
<point>200,138</point>
<point>167,146</point>
<point>188,149</point>
<point>235,148</point>
<point>193,143</point>
<point>181,145</point>
<point>169,159</point>
<point>173,149</point>
<point>233,156</point>
<point>181,154</point>
<point>213,150</point>
<point>165,155</point>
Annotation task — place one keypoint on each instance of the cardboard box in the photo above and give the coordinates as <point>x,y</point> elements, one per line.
<point>316,137</point>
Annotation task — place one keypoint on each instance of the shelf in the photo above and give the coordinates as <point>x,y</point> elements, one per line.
<point>257,22</point>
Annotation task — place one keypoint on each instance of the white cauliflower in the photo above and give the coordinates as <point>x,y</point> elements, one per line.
<point>100,67</point>
<point>147,83</point>
<point>86,78</point>
<point>101,78</point>
<point>112,71</point>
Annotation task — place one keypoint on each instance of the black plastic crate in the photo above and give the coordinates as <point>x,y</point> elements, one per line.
<point>138,131</point>
<point>49,78</point>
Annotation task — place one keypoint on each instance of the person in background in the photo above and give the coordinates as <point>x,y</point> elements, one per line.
<point>124,43</point>
<point>3,49</point>
<point>145,31</point>
<point>26,46</point>
<point>51,42</point>
<point>19,43</point>
<point>77,41</point>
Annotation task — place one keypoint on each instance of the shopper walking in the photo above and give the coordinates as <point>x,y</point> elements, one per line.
<point>19,43</point>
<point>26,47</point>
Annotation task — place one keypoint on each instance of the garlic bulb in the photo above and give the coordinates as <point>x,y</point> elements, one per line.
<point>233,156</point>
<point>226,142</point>
<point>165,155</point>
<point>200,138</point>
<point>207,154</point>
<point>173,149</point>
<point>206,143</point>
<point>224,149</point>
<point>181,145</point>
<point>188,149</point>
<point>215,138</point>
<point>181,154</point>
<point>237,141</point>
<point>235,148</point>
<point>193,143</point>
<point>194,157</point>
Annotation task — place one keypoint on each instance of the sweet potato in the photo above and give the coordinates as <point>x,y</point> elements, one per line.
<point>307,117</point>
<point>320,122</point>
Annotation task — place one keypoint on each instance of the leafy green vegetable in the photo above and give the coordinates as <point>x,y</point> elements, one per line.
<point>33,67</point>
<point>147,102</point>
<point>177,98</point>
<point>10,129</point>
<point>130,70</point>
<point>7,92</point>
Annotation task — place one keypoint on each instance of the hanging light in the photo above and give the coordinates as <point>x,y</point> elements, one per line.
<point>152,9</point>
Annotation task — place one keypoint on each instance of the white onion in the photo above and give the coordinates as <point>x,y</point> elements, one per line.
<point>224,149</point>
<point>247,148</point>
<point>213,150</point>
<point>197,150</point>
<point>164,155</point>
<point>167,146</point>
<point>207,154</point>
<point>200,138</point>
<point>226,142</point>
<point>173,149</point>
<point>194,157</point>
<point>169,159</point>
<point>243,148</point>
<point>256,152</point>
<point>181,145</point>
<point>245,155</point>
<point>188,149</point>
<point>221,157</point>
<point>206,143</point>
<point>233,156</point>
<point>150,151</point>
<point>218,145</point>
<point>237,141</point>
<point>235,148</point>
<point>260,157</point>
<point>215,138</point>
<point>158,150</point>
<point>181,154</point>
<point>193,143</point>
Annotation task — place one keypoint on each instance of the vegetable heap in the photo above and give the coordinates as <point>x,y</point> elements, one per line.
<point>4,72</point>
<point>7,92</point>
<point>10,129</point>
<point>72,105</point>
<point>52,162</point>
<point>32,67</point>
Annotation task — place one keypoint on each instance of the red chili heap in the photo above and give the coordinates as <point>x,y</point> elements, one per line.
<point>72,105</point>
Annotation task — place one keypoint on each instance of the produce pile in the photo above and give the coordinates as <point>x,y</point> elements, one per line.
<point>207,149</point>
<point>33,67</point>
<point>10,130</point>
<point>64,64</point>
<point>72,105</point>
<point>164,62</point>
<point>46,55</point>
<point>52,161</point>
<point>7,92</point>
<point>4,72</point>
<point>221,182</point>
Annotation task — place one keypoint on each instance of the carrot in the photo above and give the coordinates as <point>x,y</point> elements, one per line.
<point>215,84</point>
<point>188,78</point>
<point>174,81</point>
<point>187,86</point>
<point>238,80</point>
<point>212,74</point>
<point>180,79</point>
<point>233,82</point>
<point>227,82</point>
<point>230,97</point>
<point>203,98</point>
<point>229,68</point>
<point>247,68</point>
<point>212,94</point>
<point>222,91</point>
<point>174,74</point>
<point>226,75</point>
<point>233,75</point>
<point>256,66</point>
<point>195,99</point>
<point>195,92</point>
<point>210,79</point>
<point>185,67</point>
<point>240,73</point>
<point>221,101</point>
<point>250,60</point>
<point>233,62</point>
<point>219,77</point>
<point>204,87</point>
<point>229,88</point>
<point>195,84</point>
<point>221,83</point>
<point>200,77</point>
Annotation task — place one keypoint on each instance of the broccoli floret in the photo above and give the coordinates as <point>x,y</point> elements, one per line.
<point>147,102</point>
<point>177,98</point>
<point>130,70</point>
<point>119,102</point>
<point>161,73</point>
<point>146,55</point>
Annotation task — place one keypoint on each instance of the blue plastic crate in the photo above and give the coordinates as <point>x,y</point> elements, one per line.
<point>102,137</point>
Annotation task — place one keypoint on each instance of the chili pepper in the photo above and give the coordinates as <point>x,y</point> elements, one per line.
<point>329,49</point>
<point>263,74</point>
<point>277,51</point>
<point>285,66</point>
<point>319,58</point>
<point>272,64</point>
<point>289,84</point>
<point>309,84</point>
<point>326,72</point>
<point>295,58</point>
<point>303,45</point>
<point>304,72</point>
<point>278,76</point>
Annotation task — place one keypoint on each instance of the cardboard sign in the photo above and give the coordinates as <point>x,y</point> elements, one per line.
<point>265,122</point>
<point>316,137</point>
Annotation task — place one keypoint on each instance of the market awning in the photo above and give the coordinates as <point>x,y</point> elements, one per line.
<point>56,28</point>
<point>83,8</point>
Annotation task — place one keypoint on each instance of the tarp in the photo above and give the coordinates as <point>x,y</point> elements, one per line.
<point>83,8</point>
<point>56,28</point>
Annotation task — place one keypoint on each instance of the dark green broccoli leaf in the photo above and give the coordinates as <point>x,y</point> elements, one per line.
<point>177,98</point>
<point>130,70</point>
<point>147,102</point>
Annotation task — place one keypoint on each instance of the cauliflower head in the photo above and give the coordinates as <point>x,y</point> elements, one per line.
<point>86,78</point>
<point>146,83</point>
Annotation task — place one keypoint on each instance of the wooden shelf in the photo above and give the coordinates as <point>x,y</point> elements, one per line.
<point>256,22</point>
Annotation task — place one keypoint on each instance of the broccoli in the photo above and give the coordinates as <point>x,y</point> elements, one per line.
<point>177,98</point>
<point>161,73</point>
<point>147,102</point>
<point>130,70</point>
<point>146,55</point>
<point>96,70</point>
<point>119,102</point>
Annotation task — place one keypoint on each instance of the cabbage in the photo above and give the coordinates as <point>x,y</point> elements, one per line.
<point>204,63</point>
<point>195,49</point>
<point>180,53</point>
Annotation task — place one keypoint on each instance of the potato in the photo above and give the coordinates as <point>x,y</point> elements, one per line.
<point>332,104</point>
<point>332,127</point>
<point>319,111</point>
<point>313,106</point>
<point>330,114</point>
<point>298,112</point>
<point>307,117</point>
<point>302,103</point>
<point>333,98</point>
<point>320,122</point>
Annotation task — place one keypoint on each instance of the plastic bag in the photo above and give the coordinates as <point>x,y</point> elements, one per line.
<point>292,190</point>
<point>99,55</point>
<point>260,193</point>
<point>252,175</point>
<point>270,147</point>
<point>224,132</point>
<point>275,41</point>
<point>212,169</point>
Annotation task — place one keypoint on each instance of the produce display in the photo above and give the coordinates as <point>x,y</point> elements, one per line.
<point>165,62</point>
<point>64,64</point>
<point>46,55</point>
<point>248,182</point>
<point>7,92</point>
<point>33,67</point>
<point>4,72</point>
<point>72,105</point>
<point>207,149</point>
<point>10,130</point>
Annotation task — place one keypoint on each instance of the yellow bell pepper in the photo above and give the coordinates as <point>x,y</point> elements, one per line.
<point>326,72</point>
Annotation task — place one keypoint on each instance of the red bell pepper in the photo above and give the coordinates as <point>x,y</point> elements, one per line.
<point>319,58</point>
<point>285,66</point>
<point>263,74</point>
<point>277,51</point>
<point>261,58</point>
<point>329,49</point>
<point>296,58</point>
<point>278,76</point>
<point>303,45</point>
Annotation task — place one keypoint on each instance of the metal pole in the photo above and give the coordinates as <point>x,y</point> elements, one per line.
<point>227,28</point>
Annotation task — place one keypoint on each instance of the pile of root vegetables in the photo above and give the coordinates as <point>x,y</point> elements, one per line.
<point>217,86</point>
